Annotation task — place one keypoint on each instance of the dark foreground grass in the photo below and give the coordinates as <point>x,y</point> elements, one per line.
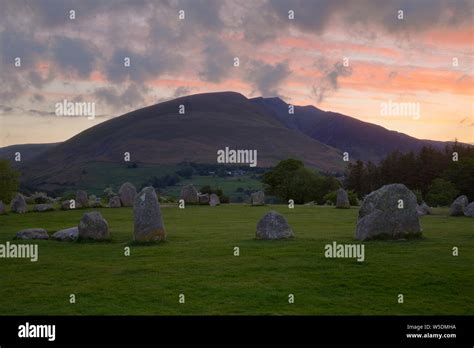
<point>197,261</point>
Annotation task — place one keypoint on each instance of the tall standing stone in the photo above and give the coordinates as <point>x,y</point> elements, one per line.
<point>273,226</point>
<point>93,226</point>
<point>189,194</point>
<point>457,208</point>
<point>388,213</point>
<point>147,216</point>
<point>342,199</point>
<point>18,204</point>
<point>127,193</point>
<point>257,198</point>
<point>82,199</point>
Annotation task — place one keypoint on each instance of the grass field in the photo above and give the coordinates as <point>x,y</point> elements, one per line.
<point>198,261</point>
<point>102,174</point>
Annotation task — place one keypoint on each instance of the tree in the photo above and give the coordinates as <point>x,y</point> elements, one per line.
<point>441,193</point>
<point>9,181</point>
<point>356,178</point>
<point>290,179</point>
<point>461,174</point>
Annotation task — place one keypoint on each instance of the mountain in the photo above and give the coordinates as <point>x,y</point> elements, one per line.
<point>362,140</point>
<point>27,152</point>
<point>158,134</point>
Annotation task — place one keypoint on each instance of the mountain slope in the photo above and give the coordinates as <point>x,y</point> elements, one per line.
<point>160,135</point>
<point>362,140</point>
<point>27,152</point>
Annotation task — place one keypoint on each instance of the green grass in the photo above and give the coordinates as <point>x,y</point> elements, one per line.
<point>197,260</point>
<point>99,175</point>
<point>228,185</point>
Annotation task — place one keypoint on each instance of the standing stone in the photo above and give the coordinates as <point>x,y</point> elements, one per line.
<point>457,208</point>
<point>469,210</point>
<point>214,200</point>
<point>203,198</point>
<point>18,204</point>
<point>127,194</point>
<point>32,233</point>
<point>82,200</point>
<point>95,203</point>
<point>273,226</point>
<point>257,198</point>
<point>65,205</point>
<point>342,199</point>
<point>93,226</point>
<point>2,208</point>
<point>189,194</point>
<point>381,217</point>
<point>44,207</point>
<point>147,215</point>
<point>68,234</point>
<point>423,209</point>
<point>114,202</point>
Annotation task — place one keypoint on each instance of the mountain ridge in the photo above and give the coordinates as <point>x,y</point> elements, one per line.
<point>159,134</point>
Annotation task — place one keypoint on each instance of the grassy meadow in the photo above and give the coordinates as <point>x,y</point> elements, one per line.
<point>198,261</point>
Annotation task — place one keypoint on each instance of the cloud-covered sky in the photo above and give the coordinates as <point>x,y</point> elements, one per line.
<point>347,56</point>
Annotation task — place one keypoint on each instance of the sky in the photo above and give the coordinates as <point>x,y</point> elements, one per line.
<point>351,57</point>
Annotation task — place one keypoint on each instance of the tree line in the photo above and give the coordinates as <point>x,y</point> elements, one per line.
<point>437,176</point>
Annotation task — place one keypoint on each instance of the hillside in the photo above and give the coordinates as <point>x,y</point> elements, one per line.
<point>363,140</point>
<point>158,134</point>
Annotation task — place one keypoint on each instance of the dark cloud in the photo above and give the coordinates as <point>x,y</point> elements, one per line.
<point>38,98</point>
<point>329,82</point>
<point>266,78</point>
<point>15,44</point>
<point>74,55</point>
<point>218,61</point>
<point>181,91</point>
<point>131,97</point>
<point>143,67</point>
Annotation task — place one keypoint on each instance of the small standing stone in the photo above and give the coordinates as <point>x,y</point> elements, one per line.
<point>127,193</point>
<point>203,198</point>
<point>273,226</point>
<point>82,200</point>
<point>457,208</point>
<point>214,200</point>
<point>257,198</point>
<point>44,207</point>
<point>18,204</point>
<point>342,199</point>
<point>469,210</point>
<point>93,226</point>
<point>68,234</point>
<point>189,194</point>
<point>32,233</point>
<point>114,202</point>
